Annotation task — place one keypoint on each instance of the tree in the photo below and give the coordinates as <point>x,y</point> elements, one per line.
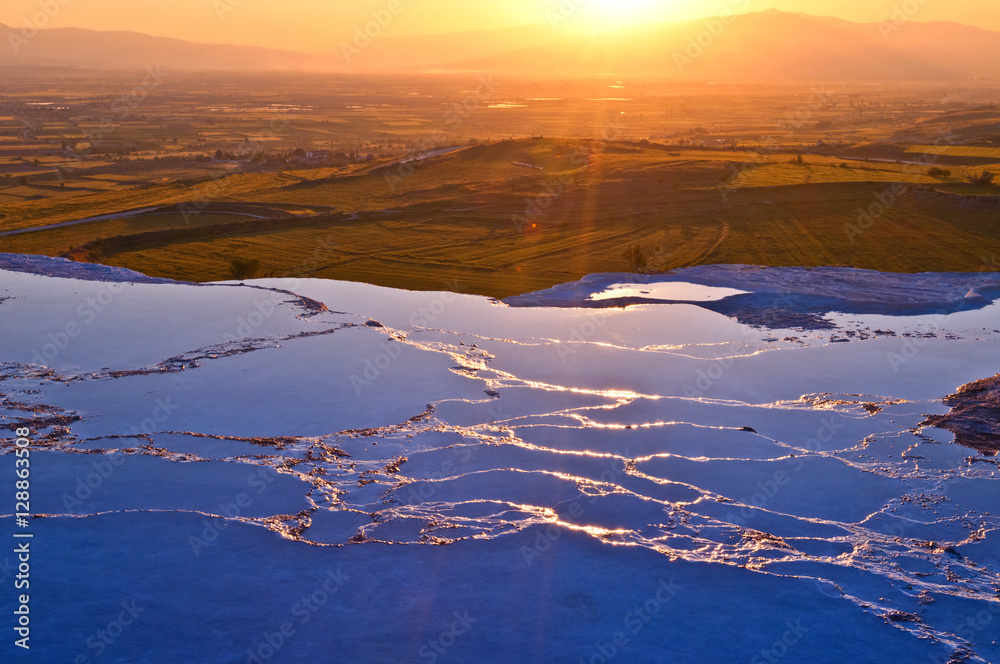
<point>638,259</point>
<point>243,268</point>
<point>983,180</point>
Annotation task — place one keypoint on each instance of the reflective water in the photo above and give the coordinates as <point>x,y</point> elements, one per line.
<point>651,484</point>
<point>673,290</point>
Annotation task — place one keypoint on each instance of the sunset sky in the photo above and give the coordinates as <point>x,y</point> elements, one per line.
<point>320,25</point>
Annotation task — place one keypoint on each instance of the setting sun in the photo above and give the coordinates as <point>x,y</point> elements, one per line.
<point>611,12</point>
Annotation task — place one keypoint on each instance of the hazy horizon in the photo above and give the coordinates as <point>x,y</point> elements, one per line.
<point>311,27</point>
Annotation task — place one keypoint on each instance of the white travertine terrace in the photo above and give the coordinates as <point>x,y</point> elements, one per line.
<point>494,483</point>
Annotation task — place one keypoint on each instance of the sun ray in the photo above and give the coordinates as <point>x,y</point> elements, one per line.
<point>611,13</point>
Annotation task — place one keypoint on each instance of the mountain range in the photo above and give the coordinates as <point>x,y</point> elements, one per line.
<point>768,45</point>
<point>93,49</point>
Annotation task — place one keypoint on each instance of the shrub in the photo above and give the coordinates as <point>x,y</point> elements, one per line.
<point>638,259</point>
<point>651,259</point>
<point>985,179</point>
<point>936,172</point>
<point>243,268</point>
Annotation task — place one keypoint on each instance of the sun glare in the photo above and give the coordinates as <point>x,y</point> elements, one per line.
<point>618,12</point>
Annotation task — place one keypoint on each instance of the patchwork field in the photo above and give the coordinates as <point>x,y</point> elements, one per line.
<point>360,179</point>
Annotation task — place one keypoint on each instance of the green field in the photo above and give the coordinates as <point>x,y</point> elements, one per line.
<point>709,178</point>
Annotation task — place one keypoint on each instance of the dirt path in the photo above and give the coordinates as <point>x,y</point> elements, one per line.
<point>723,236</point>
<point>158,209</point>
<point>102,217</point>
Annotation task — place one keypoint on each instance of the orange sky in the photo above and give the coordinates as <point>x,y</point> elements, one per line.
<point>320,25</point>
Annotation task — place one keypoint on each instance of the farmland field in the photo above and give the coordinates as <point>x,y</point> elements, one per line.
<point>498,187</point>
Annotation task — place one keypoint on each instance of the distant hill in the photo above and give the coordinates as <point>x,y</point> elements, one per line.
<point>769,45</point>
<point>763,46</point>
<point>92,49</point>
